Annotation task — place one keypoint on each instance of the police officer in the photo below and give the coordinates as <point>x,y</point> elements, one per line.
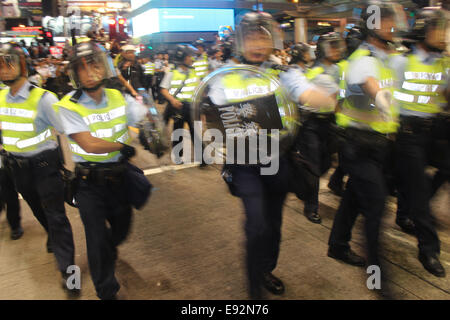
<point>201,63</point>
<point>149,70</point>
<point>178,88</point>
<point>27,122</point>
<point>262,195</point>
<point>352,41</point>
<point>421,96</point>
<point>316,139</point>
<point>369,119</point>
<point>96,121</point>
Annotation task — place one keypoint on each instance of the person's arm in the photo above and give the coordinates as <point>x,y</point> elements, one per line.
<point>126,84</point>
<point>302,91</point>
<point>173,101</point>
<point>164,89</point>
<point>95,145</point>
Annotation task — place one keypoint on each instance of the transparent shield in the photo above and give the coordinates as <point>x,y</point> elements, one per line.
<point>245,115</point>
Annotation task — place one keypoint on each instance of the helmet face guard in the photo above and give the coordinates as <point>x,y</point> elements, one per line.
<point>331,47</point>
<point>257,33</point>
<point>89,72</point>
<point>13,63</point>
<point>384,21</point>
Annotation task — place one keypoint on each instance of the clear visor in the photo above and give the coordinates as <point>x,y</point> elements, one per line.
<point>87,72</point>
<point>9,67</point>
<point>334,49</point>
<point>255,37</point>
<point>9,61</point>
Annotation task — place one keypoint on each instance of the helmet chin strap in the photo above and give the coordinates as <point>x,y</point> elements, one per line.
<point>95,88</point>
<point>384,41</point>
<point>11,82</point>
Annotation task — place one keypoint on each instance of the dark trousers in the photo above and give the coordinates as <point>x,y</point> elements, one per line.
<point>42,187</point>
<point>263,198</point>
<point>365,193</point>
<point>414,185</point>
<point>316,142</point>
<point>99,205</point>
<point>10,198</point>
<point>180,117</point>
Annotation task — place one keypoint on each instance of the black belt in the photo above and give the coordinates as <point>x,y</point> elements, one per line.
<point>328,116</point>
<point>100,173</point>
<point>416,124</point>
<point>43,159</point>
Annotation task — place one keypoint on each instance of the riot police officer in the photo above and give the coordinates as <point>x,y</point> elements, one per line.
<point>201,63</point>
<point>352,41</point>
<point>369,119</point>
<point>96,121</point>
<point>250,89</point>
<point>27,122</point>
<point>178,88</point>
<point>421,96</point>
<point>317,140</point>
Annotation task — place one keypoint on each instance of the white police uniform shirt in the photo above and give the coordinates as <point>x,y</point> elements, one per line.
<point>74,123</point>
<point>45,117</point>
<point>399,63</point>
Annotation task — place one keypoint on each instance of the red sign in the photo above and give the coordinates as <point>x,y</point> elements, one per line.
<point>26,29</point>
<point>56,51</point>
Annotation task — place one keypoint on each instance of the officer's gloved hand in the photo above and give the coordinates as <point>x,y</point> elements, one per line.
<point>127,151</point>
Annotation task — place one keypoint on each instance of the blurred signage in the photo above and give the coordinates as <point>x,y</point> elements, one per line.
<point>22,9</point>
<point>56,51</point>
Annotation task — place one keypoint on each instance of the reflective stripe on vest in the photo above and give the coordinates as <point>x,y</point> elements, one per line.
<point>201,66</point>
<point>343,66</point>
<point>17,122</point>
<point>109,123</point>
<point>349,114</point>
<point>149,68</point>
<point>420,90</point>
<point>189,86</point>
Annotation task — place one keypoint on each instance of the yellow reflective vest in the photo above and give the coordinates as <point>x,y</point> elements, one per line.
<point>109,123</point>
<point>17,122</point>
<point>368,115</point>
<point>422,88</point>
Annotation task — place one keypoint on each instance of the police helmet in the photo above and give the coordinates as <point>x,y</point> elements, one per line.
<point>353,39</point>
<point>257,22</point>
<point>298,53</point>
<point>375,12</point>
<point>93,58</point>
<point>182,51</point>
<point>200,42</point>
<point>428,19</point>
<point>14,58</point>
<point>326,43</point>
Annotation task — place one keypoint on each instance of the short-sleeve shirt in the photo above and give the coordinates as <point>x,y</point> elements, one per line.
<point>74,123</point>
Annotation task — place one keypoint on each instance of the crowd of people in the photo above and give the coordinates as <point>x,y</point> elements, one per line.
<point>379,104</point>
